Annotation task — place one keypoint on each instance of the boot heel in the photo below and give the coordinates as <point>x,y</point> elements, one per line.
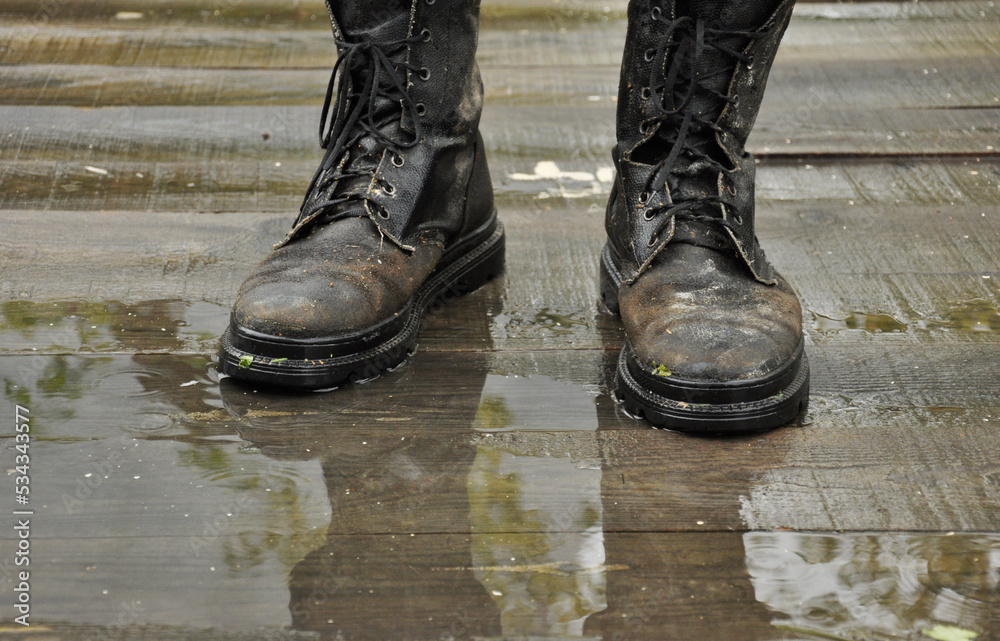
<point>478,267</point>
<point>489,267</point>
<point>609,284</point>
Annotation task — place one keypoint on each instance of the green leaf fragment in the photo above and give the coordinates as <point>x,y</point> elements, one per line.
<point>246,361</point>
<point>279,360</point>
<point>661,370</point>
<point>949,633</point>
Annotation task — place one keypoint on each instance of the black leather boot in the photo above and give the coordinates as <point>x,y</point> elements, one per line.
<point>399,215</point>
<point>714,333</point>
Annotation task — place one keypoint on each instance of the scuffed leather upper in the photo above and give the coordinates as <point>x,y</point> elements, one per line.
<point>341,278</point>
<point>697,312</point>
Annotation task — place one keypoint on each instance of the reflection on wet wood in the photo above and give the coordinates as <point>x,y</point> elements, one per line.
<point>141,632</point>
<point>885,445</point>
<point>777,585</point>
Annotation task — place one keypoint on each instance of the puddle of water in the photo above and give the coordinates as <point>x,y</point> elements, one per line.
<point>138,453</point>
<point>111,326</point>
<point>877,586</point>
<point>536,515</point>
<point>858,320</point>
<point>534,403</point>
<point>547,579</point>
<point>478,510</point>
<point>974,316</point>
<point>545,321</point>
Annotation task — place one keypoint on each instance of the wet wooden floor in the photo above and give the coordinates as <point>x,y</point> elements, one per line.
<point>150,153</point>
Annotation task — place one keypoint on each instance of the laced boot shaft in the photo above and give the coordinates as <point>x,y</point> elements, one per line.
<point>400,122</point>
<point>371,103</point>
<point>690,90</point>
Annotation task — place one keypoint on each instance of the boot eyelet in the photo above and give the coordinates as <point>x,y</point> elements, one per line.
<point>383,214</point>
<point>736,100</point>
<point>644,198</point>
<point>429,1</point>
<point>398,161</point>
<point>648,216</point>
<point>650,55</point>
<point>652,241</point>
<point>643,128</point>
<point>426,35</point>
<point>738,219</point>
<point>389,189</point>
<point>425,73</point>
<point>420,108</point>
<point>750,62</point>
<point>655,13</point>
<point>646,93</point>
<point>731,189</point>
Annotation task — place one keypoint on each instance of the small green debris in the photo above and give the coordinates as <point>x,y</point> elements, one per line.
<point>949,633</point>
<point>661,370</point>
<point>279,360</point>
<point>246,361</point>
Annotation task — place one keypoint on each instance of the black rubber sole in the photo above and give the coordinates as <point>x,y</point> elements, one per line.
<point>725,407</point>
<point>259,359</point>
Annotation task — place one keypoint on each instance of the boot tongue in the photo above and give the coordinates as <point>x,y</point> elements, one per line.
<point>727,14</point>
<point>359,21</point>
<point>696,178</point>
<point>365,156</point>
<point>374,26</point>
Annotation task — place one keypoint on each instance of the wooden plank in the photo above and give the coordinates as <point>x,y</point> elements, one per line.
<point>869,30</point>
<point>137,632</point>
<point>307,13</point>
<point>224,158</point>
<point>798,88</point>
<point>825,106</point>
<point>302,14</point>
<point>929,92</point>
<point>921,271</point>
<point>685,585</point>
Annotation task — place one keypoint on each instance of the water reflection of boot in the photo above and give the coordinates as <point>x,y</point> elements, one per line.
<point>889,585</point>
<point>536,514</point>
<point>372,579</point>
<point>396,455</point>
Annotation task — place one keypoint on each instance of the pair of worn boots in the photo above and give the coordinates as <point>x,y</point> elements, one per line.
<point>400,214</point>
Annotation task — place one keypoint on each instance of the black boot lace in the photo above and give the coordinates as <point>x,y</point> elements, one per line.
<point>364,79</point>
<point>677,122</point>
